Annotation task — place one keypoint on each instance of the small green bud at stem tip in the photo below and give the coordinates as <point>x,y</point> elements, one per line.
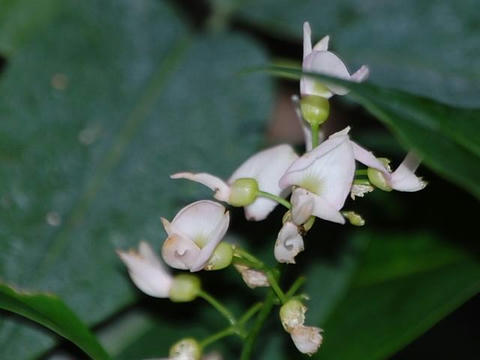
<point>315,109</point>
<point>354,218</point>
<point>243,192</point>
<point>185,288</point>
<point>221,257</point>
<point>187,348</point>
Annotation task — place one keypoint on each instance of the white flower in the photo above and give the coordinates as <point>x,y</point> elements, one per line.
<point>194,234</point>
<point>402,179</point>
<point>318,59</point>
<point>266,167</point>
<point>289,243</point>
<point>325,174</point>
<point>147,271</point>
<point>307,339</point>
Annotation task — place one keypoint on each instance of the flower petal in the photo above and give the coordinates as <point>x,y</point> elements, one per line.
<point>266,167</point>
<point>361,74</point>
<point>322,45</point>
<point>198,221</point>
<point>327,170</point>
<point>404,178</point>
<point>307,39</point>
<point>253,278</point>
<point>303,204</point>
<point>146,271</point>
<point>289,243</point>
<point>214,239</point>
<point>221,189</point>
<point>326,211</point>
<point>367,158</point>
<point>307,339</point>
<point>180,252</point>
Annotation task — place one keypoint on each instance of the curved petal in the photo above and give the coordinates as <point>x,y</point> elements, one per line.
<point>266,167</point>
<point>289,243</point>
<point>221,189</point>
<point>327,171</point>
<point>146,271</point>
<point>180,252</point>
<point>214,238</point>
<point>198,221</point>
<point>322,45</point>
<point>326,62</point>
<point>307,39</point>
<point>367,158</point>
<point>302,205</point>
<point>307,339</point>
<point>326,211</point>
<point>404,178</point>
<point>361,74</point>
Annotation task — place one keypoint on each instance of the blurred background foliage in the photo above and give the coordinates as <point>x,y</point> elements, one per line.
<point>101,101</point>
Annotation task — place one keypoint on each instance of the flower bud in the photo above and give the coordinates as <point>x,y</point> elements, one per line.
<point>292,314</point>
<point>315,109</point>
<point>354,218</point>
<point>243,192</point>
<point>185,349</point>
<point>221,257</point>
<point>307,339</point>
<point>185,288</point>
<point>253,278</point>
<point>377,178</point>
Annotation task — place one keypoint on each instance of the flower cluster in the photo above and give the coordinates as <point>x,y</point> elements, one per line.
<point>317,183</point>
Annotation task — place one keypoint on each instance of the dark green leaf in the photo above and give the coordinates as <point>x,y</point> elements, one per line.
<point>96,112</point>
<point>407,283</point>
<point>424,47</point>
<point>444,136</point>
<point>51,312</point>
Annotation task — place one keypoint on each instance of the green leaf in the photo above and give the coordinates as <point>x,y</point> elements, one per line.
<point>96,112</point>
<point>20,19</point>
<point>406,284</point>
<point>51,312</point>
<point>445,137</point>
<point>423,47</point>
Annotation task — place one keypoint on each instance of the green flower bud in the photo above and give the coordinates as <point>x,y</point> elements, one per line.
<point>185,288</point>
<point>315,109</point>
<point>187,348</point>
<point>354,218</point>
<point>377,178</point>
<point>243,192</point>
<point>221,257</point>
<point>292,314</point>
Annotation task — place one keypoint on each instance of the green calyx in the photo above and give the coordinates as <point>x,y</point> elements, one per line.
<point>185,288</point>
<point>292,314</point>
<point>221,257</point>
<point>243,192</point>
<point>315,109</point>
<point>377,178</point>
<point>187,348</point>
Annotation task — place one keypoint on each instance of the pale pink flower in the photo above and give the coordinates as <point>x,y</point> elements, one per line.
<point>194,234</point>
<point>318,59</point>
<point>266,167</point>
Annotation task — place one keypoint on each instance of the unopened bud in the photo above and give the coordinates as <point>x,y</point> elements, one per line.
<point>243,192</point>
<point>221,257</point>
<point>292,314</point>
<point>354,218</point>
<point>185,349</point>
<point>253,278</point>
<point>377,178</point>
<point>315,109</point>
<point>307,339</point>
<point>185,288</point>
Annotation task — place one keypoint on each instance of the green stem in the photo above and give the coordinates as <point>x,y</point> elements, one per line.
<point>361,172</point>
<point>276,288</point>
<point>249,258</point>
<point>276,198</point>
<point>314,128</point>
<point>361,182</point>
<point>262,316</point>
<point>295,286</point>
<point>217,336</point>
<point>217,305</point>
<point>249,313</point>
